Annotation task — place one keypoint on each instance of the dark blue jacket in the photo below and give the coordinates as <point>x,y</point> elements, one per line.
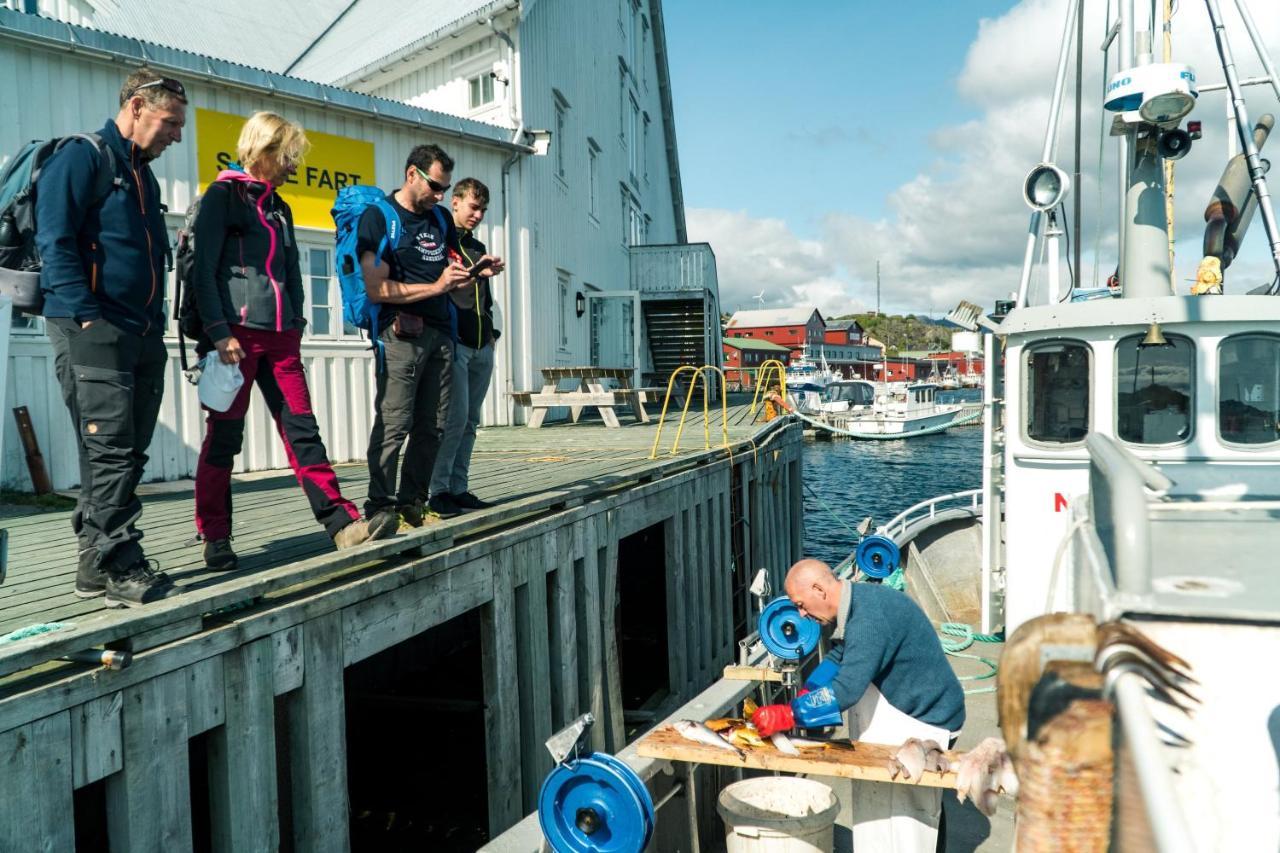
<point>106,262</point>
<point>889,642</point>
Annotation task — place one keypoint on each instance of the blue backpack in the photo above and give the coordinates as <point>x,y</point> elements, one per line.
<point>348,207</point>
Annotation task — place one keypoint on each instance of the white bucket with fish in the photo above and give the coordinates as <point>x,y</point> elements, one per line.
<point>778,814</point>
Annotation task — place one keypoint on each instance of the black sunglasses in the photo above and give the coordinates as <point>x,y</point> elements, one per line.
<point>170,85</point>
<point>435,185</point>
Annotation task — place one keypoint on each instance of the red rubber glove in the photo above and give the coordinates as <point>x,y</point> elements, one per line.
<point>771,719</point>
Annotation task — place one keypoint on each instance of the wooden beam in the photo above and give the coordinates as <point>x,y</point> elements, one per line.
<point>751,673</point>
<point>590,640</point>
<point>502,700</point>
<point>673,560</point>
<point>532,670</point>
<point>242,754</point>
<point>96,750</point>
<point>870,762</point>
<point>205,695</point>
<point>149,800</point>
<point>616,727</point>
<point>563,640</point>
<point>317,742</point>
<point>36,786</point>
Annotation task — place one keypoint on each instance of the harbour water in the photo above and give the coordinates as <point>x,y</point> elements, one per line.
<point>845,481</point>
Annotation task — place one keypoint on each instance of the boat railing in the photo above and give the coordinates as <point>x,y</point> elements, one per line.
<point>931,509</point>
<point>1118,484</point>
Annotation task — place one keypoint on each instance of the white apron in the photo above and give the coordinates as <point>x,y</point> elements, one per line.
<point>888,817</point>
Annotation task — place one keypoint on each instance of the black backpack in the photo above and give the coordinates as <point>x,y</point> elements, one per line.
<point>184,262</point>
<point>19,258</point>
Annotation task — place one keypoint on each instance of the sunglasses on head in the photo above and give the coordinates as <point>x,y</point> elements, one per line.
<point>170,85</point>
<point>436,186</point>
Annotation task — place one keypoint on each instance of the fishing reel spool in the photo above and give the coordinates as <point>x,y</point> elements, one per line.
<point>785,633</point>
<point>877,556</point>
<point>592,803</point>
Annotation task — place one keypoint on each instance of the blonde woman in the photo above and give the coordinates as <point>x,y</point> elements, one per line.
<point>248,288</point>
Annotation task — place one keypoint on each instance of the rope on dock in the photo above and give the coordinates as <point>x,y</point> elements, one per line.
<point>33,631</point>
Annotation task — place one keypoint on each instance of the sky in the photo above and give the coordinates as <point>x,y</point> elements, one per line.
<point>817,139</point>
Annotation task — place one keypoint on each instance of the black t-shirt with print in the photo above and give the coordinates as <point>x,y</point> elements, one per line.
<point>420,257</point>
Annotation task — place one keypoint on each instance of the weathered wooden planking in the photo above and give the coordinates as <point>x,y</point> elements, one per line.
<point>205,695</point>
<point>96,748</point>
<point>616,730</point>
<point>149,801</point>
<point>532,667</point>
<point>563,629</point>
<point>242,754</point>
<point>872,762</point>
<point>502,699</point>
<point>673,559</point>
<point>36,785</point>
<point>317,742</point>
<point>590,633</point>
<point>288,669</point>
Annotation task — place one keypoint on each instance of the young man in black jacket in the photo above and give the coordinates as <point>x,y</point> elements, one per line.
<point>103,279</point>
<point>472,357</point>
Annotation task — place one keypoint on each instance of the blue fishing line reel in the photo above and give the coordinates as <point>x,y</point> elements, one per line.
<point>877,556</point>
<point>785,633</point>
<point>593,803</point>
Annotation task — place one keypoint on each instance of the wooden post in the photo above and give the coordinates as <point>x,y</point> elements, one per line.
<point>532,668</point>
<point>563,618</point>
<point>616,729</point>
<point>502,700</point>
<point>673,559</point>
<point>149,800</point>
<point>35,460</point>
<point>318,741</point>
<point>36,785</point>
<point>242,754</point>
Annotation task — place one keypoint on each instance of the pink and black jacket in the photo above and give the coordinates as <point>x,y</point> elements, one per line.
<point>246,268</point>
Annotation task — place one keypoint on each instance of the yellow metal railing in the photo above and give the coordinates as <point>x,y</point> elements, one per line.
<point>698,372</point>
<point>763,372</point>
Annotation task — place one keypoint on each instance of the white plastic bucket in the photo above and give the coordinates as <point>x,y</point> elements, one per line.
<point>778,814</point>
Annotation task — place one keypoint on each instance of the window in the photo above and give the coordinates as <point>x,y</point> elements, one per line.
<point>635,228</point>
<point>319,287</point>
<point>481,90</point>
<point>633,137</point>
<point>1249,389</point>
<point>1057,392</point>
<point>558,140</point>
<point>642,62</point>
<point>1154,390</point>
<point>644,149</point>
<point>563,314</point>
<point>593,179</point>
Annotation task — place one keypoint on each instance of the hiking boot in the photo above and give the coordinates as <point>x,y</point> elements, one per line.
<point>219,557</point>
<point>137,585</point>
<point>442,506</point>
<point>466,500</point>
<point>381,525</point>
<point>91,580</point>
<point>411,514</point>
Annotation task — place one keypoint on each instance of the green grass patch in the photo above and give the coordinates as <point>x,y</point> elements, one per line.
<point>49,503</point>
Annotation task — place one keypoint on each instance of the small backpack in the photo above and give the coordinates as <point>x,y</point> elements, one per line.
<point>19,258</point>
<point>348,207</point>
<point>184,261</point>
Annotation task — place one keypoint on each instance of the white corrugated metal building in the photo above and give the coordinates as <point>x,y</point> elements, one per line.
<point>369,80</point>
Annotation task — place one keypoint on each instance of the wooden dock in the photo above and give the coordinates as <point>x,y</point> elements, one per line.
<point>229,730</point>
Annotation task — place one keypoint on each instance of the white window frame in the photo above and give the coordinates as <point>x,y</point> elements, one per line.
<point>481,81</point>
<point>560,135</point>
<point>593,180</point>
<point>564,282</point>
<point>334,291</point>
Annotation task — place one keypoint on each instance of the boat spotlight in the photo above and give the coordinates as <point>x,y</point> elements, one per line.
<point>1045,187</point>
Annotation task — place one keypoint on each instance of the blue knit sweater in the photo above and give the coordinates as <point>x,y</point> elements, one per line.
<point>889,642</point>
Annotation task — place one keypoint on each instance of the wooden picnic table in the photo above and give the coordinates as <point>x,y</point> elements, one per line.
<point>590,391</point>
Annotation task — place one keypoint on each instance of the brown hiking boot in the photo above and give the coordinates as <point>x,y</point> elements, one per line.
<point>382,525</point>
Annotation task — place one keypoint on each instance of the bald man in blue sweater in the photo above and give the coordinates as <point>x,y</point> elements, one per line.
<point>887,670</point>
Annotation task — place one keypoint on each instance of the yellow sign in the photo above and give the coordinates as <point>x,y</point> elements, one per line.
<point>334,162</point>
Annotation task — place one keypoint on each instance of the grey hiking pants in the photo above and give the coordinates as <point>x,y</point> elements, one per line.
<point>472,369</point>
<point>412,402</point>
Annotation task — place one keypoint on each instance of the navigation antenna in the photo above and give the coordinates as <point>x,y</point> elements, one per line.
<point>877,288</point>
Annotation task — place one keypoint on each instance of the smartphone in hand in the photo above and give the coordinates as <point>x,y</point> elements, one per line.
<point>479,267</point>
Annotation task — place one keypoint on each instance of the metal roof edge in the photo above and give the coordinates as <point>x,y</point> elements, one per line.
<point>419,44</point>
<point>668,117</point>
<point>58,35</point>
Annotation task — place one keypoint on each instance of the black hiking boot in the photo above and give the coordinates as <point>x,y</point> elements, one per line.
<point>219,557</point>
<point>466,500</point>
<point>91,580</point>
<point>137,585</point>
<point>442,506</point>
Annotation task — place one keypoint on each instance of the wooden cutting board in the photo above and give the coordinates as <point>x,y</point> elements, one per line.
<point>869,761</point>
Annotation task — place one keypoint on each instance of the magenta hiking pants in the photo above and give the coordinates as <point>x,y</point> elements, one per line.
<point>272,362</point>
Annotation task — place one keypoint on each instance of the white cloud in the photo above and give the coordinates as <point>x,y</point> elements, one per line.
<point>958,228</point>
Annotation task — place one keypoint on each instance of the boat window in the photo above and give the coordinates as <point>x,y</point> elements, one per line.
<point>1249,389</point>
<point>1154,390</point>
<point>1057,392</point>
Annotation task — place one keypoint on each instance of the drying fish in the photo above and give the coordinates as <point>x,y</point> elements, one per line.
<point>699,733</point>
<point>916,756</point>
<point>808,743</point>
<point>783,744</point>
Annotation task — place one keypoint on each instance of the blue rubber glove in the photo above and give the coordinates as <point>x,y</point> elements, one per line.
<point>816,709</point>
<point>822,675</point>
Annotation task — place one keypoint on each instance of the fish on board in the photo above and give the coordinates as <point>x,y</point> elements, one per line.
<point>916,756</point>
<point>699,733</point>
<point>736,731</point>
<point>783,744</point>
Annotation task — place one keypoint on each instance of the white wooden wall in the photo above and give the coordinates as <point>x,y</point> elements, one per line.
<point>47,94</point>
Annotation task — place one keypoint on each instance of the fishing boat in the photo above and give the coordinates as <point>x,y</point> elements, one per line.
<point>1130,481</point>
<point>862,409</point>
<point>807,379</point>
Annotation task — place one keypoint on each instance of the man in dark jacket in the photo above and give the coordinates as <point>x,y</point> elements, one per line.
<point>473,355</point>
<point>103,279</point>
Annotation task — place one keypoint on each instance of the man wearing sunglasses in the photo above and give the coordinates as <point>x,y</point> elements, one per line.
<point>103,279</point>
<point>412,280</point>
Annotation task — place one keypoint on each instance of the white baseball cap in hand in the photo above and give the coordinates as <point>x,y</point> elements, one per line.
<point>219,383</point>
